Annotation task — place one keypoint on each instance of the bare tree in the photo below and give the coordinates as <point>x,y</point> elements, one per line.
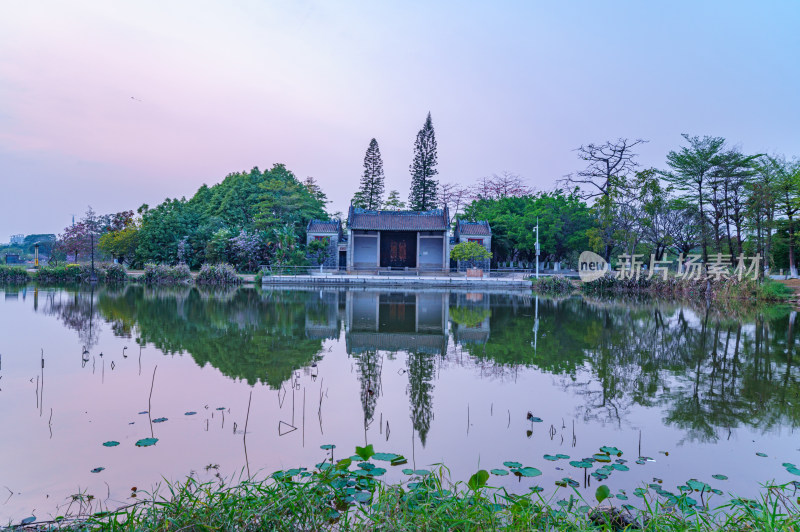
<point>453,196</point>
<point>608,163</point>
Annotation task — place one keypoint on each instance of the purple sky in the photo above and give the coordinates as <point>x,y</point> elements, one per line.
<point>511,86</point>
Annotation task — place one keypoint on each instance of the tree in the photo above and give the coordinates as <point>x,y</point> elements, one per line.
<point>370,195</point>
<point>393,202</point>
<point>424,188</point>
<point>470,252</point>
<point>691,168</point>
<point>788,203</point>
<point>319,250</point>
<point>604,180</point>
<point>453,196</point>
<point>120,244</point>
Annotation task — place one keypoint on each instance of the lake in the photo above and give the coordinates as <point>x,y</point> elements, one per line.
<point>468,379</point>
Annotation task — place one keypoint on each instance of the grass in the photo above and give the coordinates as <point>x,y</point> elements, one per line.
<point>553,284</point>
<point>13,274</point>
<point>347,495</point>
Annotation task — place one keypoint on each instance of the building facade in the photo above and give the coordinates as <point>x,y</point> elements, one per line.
<point>398,240</point>
<point>375,241</point>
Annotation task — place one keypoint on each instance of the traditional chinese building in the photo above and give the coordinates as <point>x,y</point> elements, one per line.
<point>479,232</point>
<point>402,240</point>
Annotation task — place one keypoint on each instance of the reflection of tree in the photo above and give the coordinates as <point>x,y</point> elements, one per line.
<point>77,311</point>
<point>369,364</point>
<point>709,370</point>
<point>243,333</point>
<point>420,389</point>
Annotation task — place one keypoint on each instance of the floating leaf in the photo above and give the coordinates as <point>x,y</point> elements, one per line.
<point>535,419</point>
<point>639,492</point>
<point>408,471</point>
<point>536,489</point>
<point>143,412</point>
<point>601,458</point>
<point>762,455</point>
<point>385,457</point>
<point>421,472</point>
<point>698,485</point>
<point>478,480</point>
<point>622,497</point>
<point>27,520</point>
<point>716,491</point>
<point>512,464</point>
<point>499,472</point>
<point>190,413</point>
<point>327,447</point>
<point>400,460</point>
<point>98,469</point>
<point>621,467</point>
<point>602,493</point>
<point>111,443</point>
<point>719,477</point>
<point>611,451</point>
<point>366,452</point>
<point>377,472</point>
<point>793,470</point>
<point>562,457</point>
<point>221,408</point>
<point>527,471</point>
<point>550,457</point>
<point>343,464</point>
<point>159,420</point>
<point>581,464</point>
<point>146,442</point>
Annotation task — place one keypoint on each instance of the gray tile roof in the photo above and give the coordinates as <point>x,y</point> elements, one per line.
<point>435,220</point>
<point>322,226</point>
<point>474,228</point>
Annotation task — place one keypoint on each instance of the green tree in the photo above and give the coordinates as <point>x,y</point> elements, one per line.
<point>691,169</point>
<point>393,202</point>
<point>470,252</point>
<point>424,193</point>
<point>370,195</point>
<point>319,250</point>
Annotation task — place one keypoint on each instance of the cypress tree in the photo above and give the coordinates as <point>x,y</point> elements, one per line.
<point>424,187</point>
<point>370,194</point>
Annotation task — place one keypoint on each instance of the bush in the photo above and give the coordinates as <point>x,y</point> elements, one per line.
<point>553,284</point>
<point>469,252</point>
<point>263,272</point>
<point>218,274</point>
<point>66,273</point>
<point>13,275</point>
<point>163,274</point>
<point>113,273</point>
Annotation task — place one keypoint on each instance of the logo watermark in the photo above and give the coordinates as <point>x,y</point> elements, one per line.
<point>592,266</point>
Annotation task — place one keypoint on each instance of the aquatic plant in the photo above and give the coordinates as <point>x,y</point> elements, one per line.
<point>13,275</point>
<point>553,284</point>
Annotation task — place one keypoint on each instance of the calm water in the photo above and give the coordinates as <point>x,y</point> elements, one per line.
<point>436,376</point>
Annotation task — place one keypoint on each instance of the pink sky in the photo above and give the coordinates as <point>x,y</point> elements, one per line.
<point>222,87</point>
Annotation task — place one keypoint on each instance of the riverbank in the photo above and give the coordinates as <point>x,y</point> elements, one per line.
<point>346,495</point>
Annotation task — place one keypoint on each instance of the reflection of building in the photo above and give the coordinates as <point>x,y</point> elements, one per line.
<point>322,316</point>
<point>470,315</point>
<point>397,321</point>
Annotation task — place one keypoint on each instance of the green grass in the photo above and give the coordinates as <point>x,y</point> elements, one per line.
<point>349,496</point>
<point>13,274</point>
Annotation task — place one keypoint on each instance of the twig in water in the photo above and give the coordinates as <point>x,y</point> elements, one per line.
<point>244,439</point>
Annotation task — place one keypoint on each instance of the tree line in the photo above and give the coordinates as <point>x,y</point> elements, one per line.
<point>708,198</point>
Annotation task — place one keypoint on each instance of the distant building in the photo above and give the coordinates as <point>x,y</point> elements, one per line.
<point>479,232</point>
<point>17,240</point>
<point>331,232</point>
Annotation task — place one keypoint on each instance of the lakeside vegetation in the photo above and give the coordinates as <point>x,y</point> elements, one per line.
<point>709,199</point>
<point>348,494</point>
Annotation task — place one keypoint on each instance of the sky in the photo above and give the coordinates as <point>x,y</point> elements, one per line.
<point>116,104</point>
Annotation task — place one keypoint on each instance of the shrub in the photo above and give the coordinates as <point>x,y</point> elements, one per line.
<point>66,273</point>
<point>163,274</point>
<point>113,273</point>
<point>218,274</point>
<point>13,275</point>
<point>553,284</point>
<point>263,272</point>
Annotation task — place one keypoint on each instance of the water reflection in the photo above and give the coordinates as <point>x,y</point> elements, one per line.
<point>707,373</point>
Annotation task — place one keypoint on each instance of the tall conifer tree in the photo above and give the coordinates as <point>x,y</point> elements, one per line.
<point>424,193</point>
<point>370,194</point>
